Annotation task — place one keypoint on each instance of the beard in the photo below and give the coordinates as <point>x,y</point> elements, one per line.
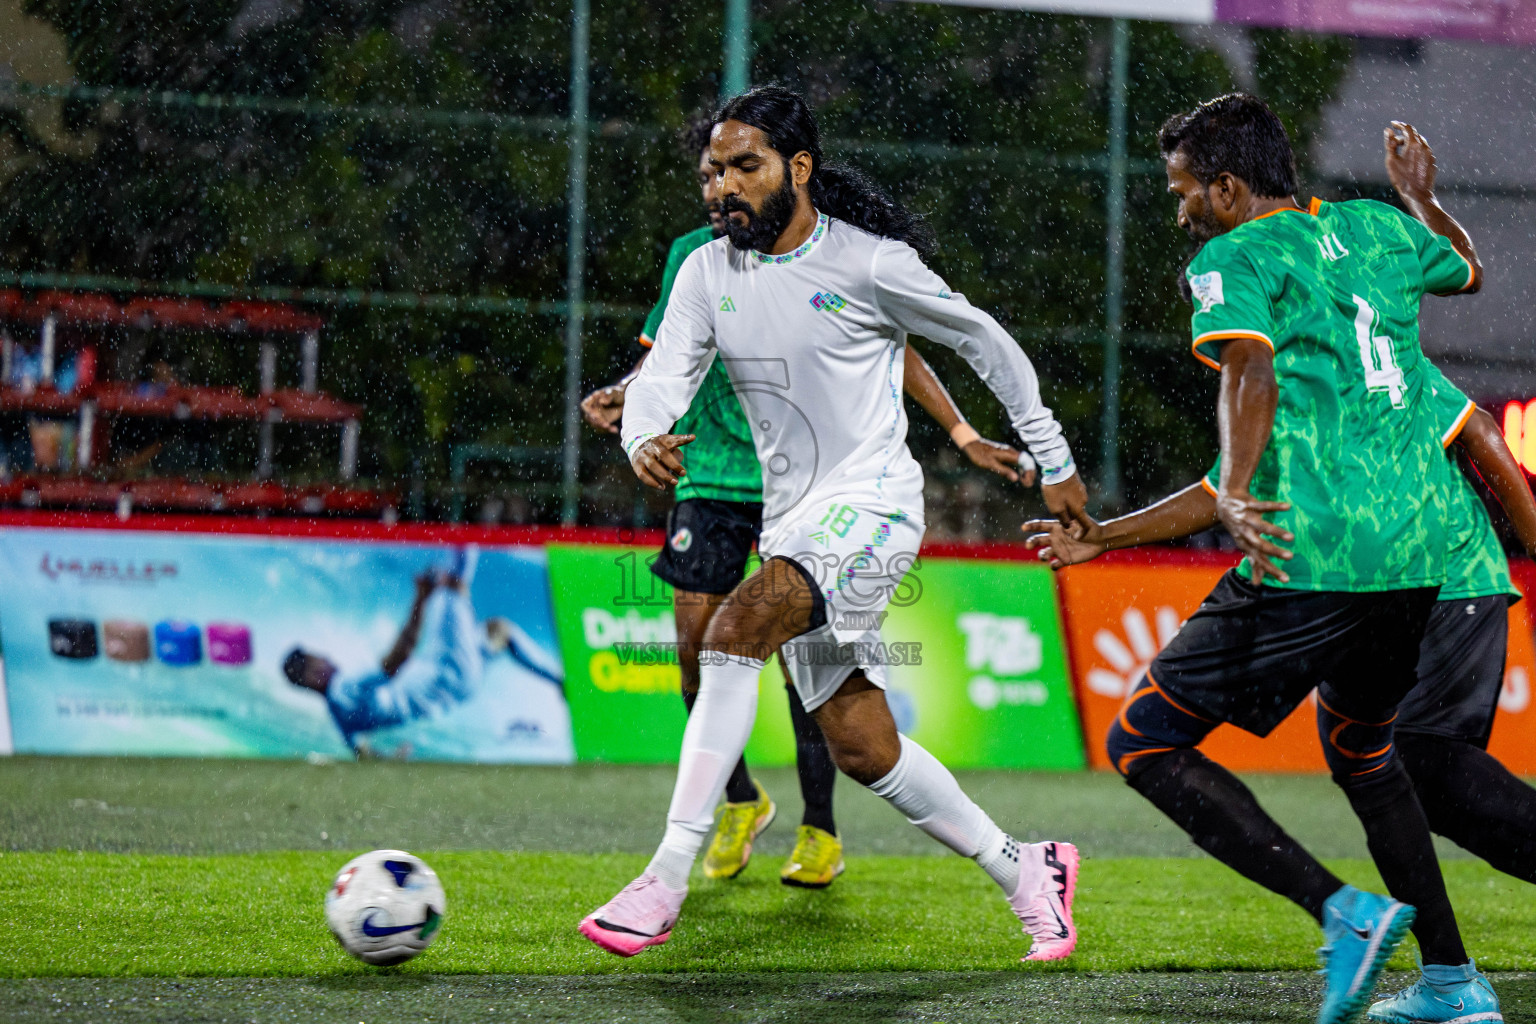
<point>763,227</point>
<point>1202,228</point>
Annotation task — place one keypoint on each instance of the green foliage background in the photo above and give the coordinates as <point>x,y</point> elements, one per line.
<point>359,157</point>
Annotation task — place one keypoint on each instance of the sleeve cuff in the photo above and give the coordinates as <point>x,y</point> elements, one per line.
<point>636,442</point>
<point>1051,475</point>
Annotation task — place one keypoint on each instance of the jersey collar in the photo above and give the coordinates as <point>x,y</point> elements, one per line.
<point>1312,208</point>
<point>804,247</point>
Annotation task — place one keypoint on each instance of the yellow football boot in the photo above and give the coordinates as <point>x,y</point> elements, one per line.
<point>738,826</point>
<point>816,860</point>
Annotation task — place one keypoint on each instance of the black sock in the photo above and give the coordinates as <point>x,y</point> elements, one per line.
<point>1223,818</point>
<point>1398,836</point>
<point>739,788</point>
<point>1474,801</point>
<point>814,762</point>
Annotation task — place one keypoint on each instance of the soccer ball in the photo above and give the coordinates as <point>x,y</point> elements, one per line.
<point>385,907</point>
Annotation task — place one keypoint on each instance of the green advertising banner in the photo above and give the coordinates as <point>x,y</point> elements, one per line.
<point>990,688</point>
<point>623,709</point>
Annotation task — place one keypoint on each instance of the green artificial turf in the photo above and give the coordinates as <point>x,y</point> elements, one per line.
<point>182,805</point>
<point>187,891</point>
<point>991,997</point>
<point>515,913</point>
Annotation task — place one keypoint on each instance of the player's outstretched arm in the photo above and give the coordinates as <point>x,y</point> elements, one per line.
<point>916,300</point>
<point>405,643</point>
<point>924,385</point>
<point>1411,169</point>
<point>1245,416</point>
<point>1484,444</point>
<point>1189,511</point>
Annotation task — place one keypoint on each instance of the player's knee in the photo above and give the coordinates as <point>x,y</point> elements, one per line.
<point>1130,752</point>
<point>862,762</point>
<point>1355,750</point>
<point>1149,726</point>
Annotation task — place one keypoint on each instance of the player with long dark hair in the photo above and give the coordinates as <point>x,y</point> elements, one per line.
<point>711,530</point>
<point>808,304</point>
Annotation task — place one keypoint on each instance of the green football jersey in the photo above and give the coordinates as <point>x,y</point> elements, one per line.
<point>1475,566</point>
<point>1334,291</point>
<point>722,460</point>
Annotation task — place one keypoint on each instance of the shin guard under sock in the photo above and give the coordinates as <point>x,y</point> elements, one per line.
<point>739,788</point>
<point>716,733</point>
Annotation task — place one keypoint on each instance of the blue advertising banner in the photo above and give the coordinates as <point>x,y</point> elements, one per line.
<point>121,642</point>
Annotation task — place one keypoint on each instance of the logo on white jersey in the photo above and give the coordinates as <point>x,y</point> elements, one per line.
<point>1333,249</point>
<point>727,304</point>
<point>827,302</point>
<point>1206,289</point>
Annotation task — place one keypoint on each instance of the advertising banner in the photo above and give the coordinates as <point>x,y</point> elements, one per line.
<point>1514,726</point>
<point>1492,21</point>
<point>1120,615</point>
<point>125,642</point>
<point>986,686</point>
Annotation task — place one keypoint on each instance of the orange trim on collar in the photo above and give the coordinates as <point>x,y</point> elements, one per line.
<point>1291,209</point>
<point>1315,205</point>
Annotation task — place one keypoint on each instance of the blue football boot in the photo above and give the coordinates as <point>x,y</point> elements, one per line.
<point>1362,929</point>
<point>1442,995</point>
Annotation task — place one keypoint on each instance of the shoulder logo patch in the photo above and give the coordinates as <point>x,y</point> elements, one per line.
<point>1206,289</point>
<point>827,302</point>
<point>727,304</point>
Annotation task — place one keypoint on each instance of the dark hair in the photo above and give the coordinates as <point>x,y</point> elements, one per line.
<point>293,666</point>
<point>695,136</point>
<point>838,191</point>
<point>1238,134</point>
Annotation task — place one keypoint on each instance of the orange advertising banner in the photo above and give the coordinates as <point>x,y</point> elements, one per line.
<point>1120,611</point>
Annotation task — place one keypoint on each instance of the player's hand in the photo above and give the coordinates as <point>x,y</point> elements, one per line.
<point>1243,516</point>
<point>603,408</point>
<point>656,462</point>
<point>1068,501</point>
<point>1059,546</point>
<point>1410,161</point>
<point>999,459</point>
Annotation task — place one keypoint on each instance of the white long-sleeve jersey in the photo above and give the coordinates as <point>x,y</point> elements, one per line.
<point>814,343</point>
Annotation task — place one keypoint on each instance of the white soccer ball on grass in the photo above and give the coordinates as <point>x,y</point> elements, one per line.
<point>385,906</point>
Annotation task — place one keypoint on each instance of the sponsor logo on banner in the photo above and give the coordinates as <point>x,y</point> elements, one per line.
<point>144,572</point>
<point>1003,645</point>
<point>1130,649</point>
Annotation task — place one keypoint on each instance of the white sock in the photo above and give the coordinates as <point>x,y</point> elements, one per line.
<point>924,790</point>
<point>717,731</point>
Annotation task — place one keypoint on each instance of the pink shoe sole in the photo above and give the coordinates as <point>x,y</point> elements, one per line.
<point>620,943</point>
<point>1062,949</point>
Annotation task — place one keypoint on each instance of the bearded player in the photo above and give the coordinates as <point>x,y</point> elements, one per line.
<point>808,305</point>
<point>710,534</point>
